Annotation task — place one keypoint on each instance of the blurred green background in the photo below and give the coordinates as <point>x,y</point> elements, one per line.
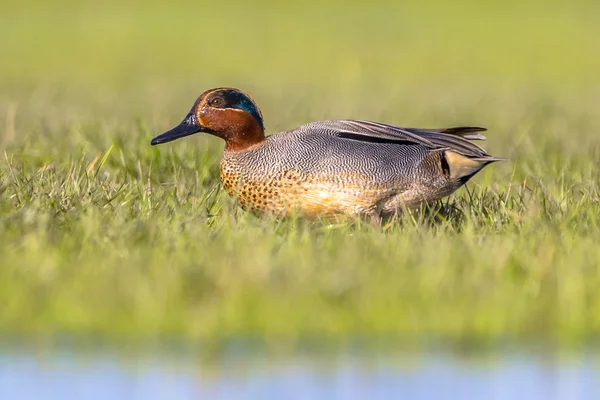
<point>103,237</point>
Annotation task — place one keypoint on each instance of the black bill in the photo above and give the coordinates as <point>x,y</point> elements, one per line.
<point>187,127</point>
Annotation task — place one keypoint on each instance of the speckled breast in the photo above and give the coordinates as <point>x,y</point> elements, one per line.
<point>283,191</point>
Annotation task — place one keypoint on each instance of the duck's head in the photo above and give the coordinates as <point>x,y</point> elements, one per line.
<point>227,113</point>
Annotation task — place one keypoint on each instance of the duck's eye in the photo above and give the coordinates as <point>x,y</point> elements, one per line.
<point>216,102</point>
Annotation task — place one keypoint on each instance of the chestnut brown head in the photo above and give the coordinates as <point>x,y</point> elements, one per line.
<point>227,113</point>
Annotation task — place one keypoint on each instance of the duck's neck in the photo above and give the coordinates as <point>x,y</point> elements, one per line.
<point>242,139</point>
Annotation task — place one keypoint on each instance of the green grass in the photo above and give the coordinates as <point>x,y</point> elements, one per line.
<point>104,236</point>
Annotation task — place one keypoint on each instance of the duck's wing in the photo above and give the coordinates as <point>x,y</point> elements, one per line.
<point>467,132</point>
<point>456,139</point>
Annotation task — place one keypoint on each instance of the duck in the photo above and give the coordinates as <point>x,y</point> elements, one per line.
<point>332,167</point>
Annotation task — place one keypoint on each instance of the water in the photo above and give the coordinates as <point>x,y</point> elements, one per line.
<point>101,375</point>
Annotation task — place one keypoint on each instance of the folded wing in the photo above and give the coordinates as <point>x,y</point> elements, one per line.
<point>455,139</point>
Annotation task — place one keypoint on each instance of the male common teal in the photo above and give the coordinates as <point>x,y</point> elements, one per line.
<point>330,167</point>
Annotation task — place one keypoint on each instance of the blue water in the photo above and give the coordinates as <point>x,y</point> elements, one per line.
<point>62,375</point>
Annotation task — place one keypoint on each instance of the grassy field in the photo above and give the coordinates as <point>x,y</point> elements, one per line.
<point>104,237</point>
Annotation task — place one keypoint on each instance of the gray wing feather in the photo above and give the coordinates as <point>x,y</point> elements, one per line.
<point>456,139</point>
<point>468,132</point>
